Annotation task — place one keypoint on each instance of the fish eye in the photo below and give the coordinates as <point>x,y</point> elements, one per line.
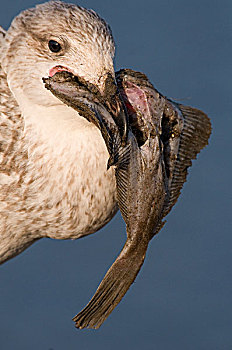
<point>54,46</point>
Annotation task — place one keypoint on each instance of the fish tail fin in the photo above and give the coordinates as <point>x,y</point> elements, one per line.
<point>113,287</point>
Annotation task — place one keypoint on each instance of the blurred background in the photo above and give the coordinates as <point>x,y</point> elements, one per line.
<point>182,297</point>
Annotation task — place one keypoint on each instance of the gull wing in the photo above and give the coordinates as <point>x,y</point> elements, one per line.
<point>11,128</point>
<point>13,157</point>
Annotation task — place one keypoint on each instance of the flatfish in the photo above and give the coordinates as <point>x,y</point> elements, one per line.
<point>151,142</point>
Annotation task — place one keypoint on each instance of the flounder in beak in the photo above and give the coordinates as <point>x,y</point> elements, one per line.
<point>151,144</point>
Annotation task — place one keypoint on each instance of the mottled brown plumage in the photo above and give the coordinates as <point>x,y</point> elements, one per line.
<point>53,163</point>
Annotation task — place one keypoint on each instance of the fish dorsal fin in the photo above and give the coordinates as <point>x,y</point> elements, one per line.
<point>194,134</point>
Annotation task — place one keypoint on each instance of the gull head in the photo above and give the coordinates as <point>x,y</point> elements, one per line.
<point>55,36</point>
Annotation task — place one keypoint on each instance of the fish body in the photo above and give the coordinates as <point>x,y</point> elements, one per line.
<point>150,156</point>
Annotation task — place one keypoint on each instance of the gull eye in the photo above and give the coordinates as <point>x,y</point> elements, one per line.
<point>54,46</point>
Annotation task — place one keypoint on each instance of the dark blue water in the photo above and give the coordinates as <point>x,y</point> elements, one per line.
<point>182,297</point>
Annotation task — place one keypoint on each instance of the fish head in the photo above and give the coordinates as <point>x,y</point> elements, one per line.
<point>104,108</point>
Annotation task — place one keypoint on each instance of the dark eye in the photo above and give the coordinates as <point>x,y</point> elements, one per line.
<point>54,46</point>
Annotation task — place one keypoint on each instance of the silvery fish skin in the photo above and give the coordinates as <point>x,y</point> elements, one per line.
<point>151,149</point>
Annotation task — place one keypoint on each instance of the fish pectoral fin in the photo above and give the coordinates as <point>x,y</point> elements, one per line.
<point>194,136</point>
<point>113,287</point>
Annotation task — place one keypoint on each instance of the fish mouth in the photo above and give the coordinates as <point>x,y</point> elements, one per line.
<point>57,69</point>
<point>87,99</point>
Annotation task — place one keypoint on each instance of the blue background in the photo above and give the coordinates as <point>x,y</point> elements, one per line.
<point>182,296</point>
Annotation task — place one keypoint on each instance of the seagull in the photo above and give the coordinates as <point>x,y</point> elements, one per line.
<point>78,141</point>
<point>54,180</point>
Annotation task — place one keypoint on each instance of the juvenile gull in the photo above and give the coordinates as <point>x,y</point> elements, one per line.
<point>54,178</point>
<point>48,187</point>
